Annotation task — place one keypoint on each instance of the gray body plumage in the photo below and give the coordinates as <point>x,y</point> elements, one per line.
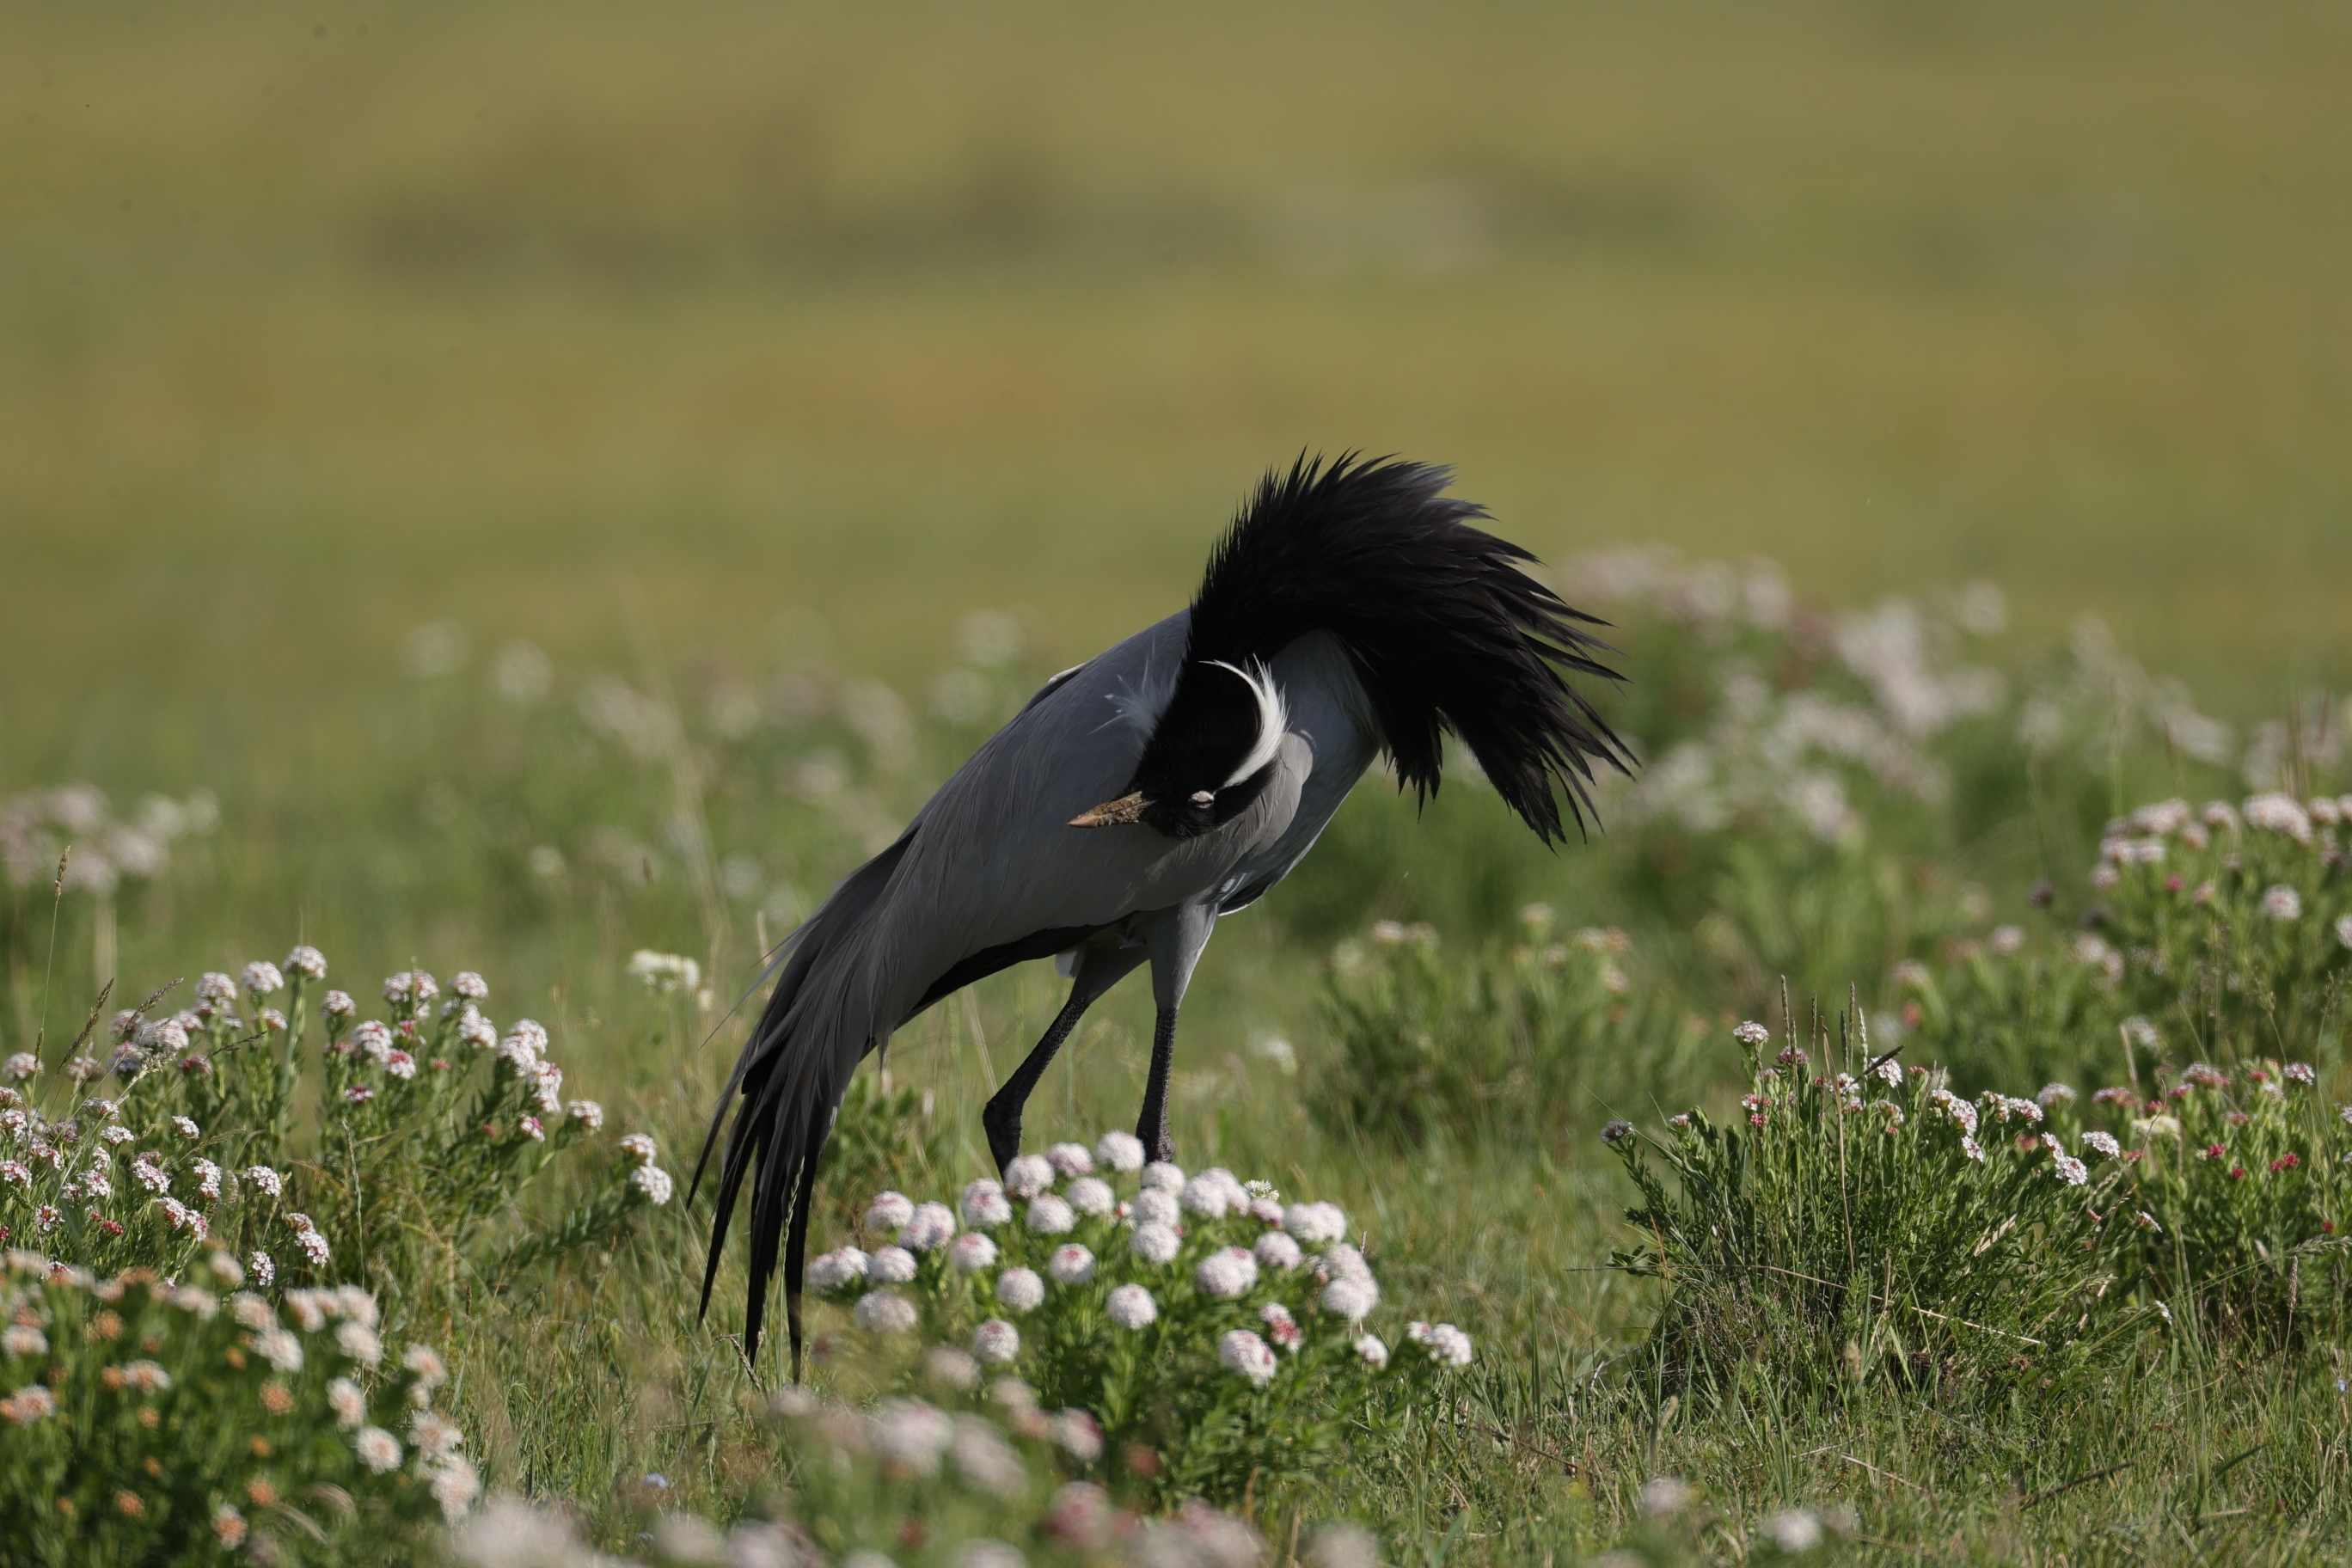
<point>991,858</point>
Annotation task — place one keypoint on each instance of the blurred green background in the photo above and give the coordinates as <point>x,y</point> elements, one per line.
<point>720,337</point>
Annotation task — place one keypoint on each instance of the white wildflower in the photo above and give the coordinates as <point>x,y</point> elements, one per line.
<point>885,1313</point>
<point>1162,1176</point>
<point>373,1041</point>
<point>1070,1158</point>
<point>2283,903</point>
<point>972,1252</point>
<point>346,1402</point>
<point>930,1226</point>
<point>1154,1206</point>
<point>267,1180</point>
<point>1313,1224</point>
<point>1276,1249</point>
<point>913,1435</point>
<point>1020,1290</point>
<point>2103,1144</point>
<point>1027,1176</point>
<point>470,986</point>
<point>891,1266</point>
<point>1079,1434</point>
<point>359,1341</point>
<point>664,973</point>
<point>425,1364</point>
<point>455,1485</point>
<point>1092,1195</point>
<point>1131,1307</point>
<point>1375,1353</point>
<point>1243,1352</point>
<point>1124,1151</point>
<point>651,1181</point>
<point>434,1434</point>
<point>889,1211</point>
<point>308,961</point>
<point>1447,1345</point>
<point>996,1341</point>
<point>983,1205</point>
<point>1155,1243</point>
<point>837,1269</point>
<point>378,1449</point>
<point>1228,1272</point>
<point>1071,1265</point>
<point>986,1461</point>
<point>1050,1215</point>
<point>1204,1198</point>
<point>1793,1530</point>
<point>522,1044</point>
<point>588,1113</point>
<point>955,1368</point>
<point>279,1347</point>
<point>1351,1299</point>
<point>2279,814</point>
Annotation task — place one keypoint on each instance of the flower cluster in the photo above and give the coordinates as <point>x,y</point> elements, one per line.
<point>177,1418</point>
<point>1986,1207</point>
<point>1107,1283</point>
<point>432,1119</point>
<point>963,1478</point>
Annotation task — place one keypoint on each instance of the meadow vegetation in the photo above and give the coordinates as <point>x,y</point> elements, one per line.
<point>505,504</point>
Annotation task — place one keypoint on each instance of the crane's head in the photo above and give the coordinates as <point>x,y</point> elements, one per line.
<point>1210,754</point>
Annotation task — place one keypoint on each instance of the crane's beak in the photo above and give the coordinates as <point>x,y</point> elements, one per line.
<point>1111,813</point>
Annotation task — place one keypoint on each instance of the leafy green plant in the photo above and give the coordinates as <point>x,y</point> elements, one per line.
<point>1199,1336</point>
<point>2234,926</point>
<point>1504,1044</point>
<point>1870,1223</point>
<point>144,1420</point>
<point>2243,1182</point>
<point>399,1170</point>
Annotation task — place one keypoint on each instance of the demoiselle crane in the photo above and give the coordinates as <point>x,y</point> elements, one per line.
<point>1350,610</point>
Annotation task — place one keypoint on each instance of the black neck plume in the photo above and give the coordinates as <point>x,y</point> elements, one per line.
<point>1446,632</point>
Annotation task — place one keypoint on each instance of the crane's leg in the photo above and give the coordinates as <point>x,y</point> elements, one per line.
<point>1100,966</point>
<point>1152,1127</point>
<point>1173,938</point>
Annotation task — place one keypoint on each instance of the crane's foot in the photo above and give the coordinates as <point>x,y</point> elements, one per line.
<point>1003,1124</point>
<point>1157,1144</point>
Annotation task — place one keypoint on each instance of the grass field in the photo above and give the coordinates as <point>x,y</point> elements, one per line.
<point>740,355</point>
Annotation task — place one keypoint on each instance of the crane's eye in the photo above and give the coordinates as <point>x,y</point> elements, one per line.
<point>1204,797</point>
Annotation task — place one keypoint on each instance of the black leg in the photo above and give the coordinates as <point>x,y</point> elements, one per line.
<point>1151,1128</point>
<point>1002,1116</point>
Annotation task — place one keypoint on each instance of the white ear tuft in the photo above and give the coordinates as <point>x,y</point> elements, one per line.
<point>1273,719</point>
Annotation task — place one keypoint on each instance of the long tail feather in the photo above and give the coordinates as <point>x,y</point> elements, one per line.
<point>785,1088</point>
